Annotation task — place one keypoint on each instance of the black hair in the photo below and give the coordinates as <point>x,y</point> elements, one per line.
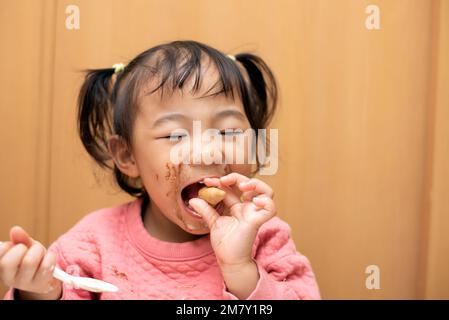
<point>107,107</point>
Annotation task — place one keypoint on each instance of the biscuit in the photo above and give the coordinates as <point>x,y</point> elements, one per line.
<point>211,195</point>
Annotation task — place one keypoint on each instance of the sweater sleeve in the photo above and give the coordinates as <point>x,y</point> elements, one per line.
<point>284,273</point>
<point>76,254</point>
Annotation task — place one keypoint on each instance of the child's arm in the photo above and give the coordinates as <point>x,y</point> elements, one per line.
<point>282,272</point>
<point>276,270</point>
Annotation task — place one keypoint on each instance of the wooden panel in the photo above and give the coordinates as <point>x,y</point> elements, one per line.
<point>25,81</point>
<point>353,130</point>
<point>437,259</point>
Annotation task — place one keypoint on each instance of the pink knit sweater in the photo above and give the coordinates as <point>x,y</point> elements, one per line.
<point>113,245</point>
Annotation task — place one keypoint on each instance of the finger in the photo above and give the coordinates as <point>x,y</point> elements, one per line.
<point>264,202</point>
<point>10,262</point>
<point>266,209</point>
<point>248,195</point>
<point>249,187</point>
<point>231,198</point>
<point>45,270</point>
<point>212,182</point>
<point>19,235</point>
<point>4,247</point>
<point>30,262</point>
<point>209,214</point>
<point>233,178</point>
<point>256,185</point>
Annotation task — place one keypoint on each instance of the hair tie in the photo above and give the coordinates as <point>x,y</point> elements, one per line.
<point>230,56</point>
<point>118,67</point>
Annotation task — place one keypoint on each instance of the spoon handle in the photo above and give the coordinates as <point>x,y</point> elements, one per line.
<point>62,276</point>
<point>89,284</point>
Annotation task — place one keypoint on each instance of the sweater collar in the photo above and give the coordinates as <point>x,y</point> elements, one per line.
<point>155,248</point>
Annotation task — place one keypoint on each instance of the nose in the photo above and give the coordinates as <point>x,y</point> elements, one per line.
<point>207,151</point>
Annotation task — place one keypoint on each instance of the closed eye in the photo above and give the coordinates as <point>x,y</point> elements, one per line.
<point>231,132</point>
<point>179,137</point>
<point>174,137</point>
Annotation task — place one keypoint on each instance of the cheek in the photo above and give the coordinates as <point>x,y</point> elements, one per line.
<point>171,178</point>
<point>244,169</point>
<point>240,149</point>
<point>158,174</point>
<point>154,174</point>
<point>162,186</point>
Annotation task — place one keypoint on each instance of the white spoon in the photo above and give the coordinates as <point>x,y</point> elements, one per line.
<point>89,284</point>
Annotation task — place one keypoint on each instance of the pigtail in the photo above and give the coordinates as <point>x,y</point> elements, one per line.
<point>262,96</point>
<point>95,124</point>
<point>263,90</point>
<point>95,113</point>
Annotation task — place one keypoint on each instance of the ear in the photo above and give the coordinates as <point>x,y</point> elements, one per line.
<point>122,156</point>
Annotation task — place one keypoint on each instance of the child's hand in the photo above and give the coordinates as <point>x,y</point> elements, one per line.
<point>26,265</point>
<point>250,203</point>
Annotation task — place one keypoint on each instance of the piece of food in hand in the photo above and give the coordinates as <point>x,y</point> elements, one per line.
<point>211,195</point>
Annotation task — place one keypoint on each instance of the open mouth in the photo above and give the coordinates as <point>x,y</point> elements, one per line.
<point>191,191</point>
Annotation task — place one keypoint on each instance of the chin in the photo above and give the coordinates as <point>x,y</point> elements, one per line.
<point>196,229</point>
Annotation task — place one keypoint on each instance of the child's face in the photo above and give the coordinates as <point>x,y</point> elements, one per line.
<point>164,181</point>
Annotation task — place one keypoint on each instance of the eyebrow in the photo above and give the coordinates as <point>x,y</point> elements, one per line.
<point>170,117</point>
<point>230,113</point>
<point>179,117</point>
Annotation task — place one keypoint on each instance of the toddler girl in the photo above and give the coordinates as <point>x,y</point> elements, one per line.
<point>169,243</point>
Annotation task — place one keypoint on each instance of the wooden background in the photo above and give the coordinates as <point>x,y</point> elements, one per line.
<point>363,123</point>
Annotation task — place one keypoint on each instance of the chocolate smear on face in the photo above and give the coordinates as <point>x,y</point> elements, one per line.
<point>173,176</point>
<point>170,174</point>
<point>176,176</point>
